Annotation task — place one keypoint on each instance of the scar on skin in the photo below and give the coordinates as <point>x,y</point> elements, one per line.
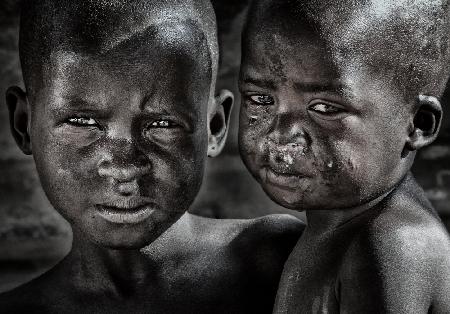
<point>252,119</point>
<point>287,153</point>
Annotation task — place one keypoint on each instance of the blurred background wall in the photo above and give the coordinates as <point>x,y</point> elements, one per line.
<point>33,236</point>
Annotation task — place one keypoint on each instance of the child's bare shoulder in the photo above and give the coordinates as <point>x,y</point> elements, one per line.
<point>408,229</point>
<point>29,298</point>
<point>404,253</point>
<point>239,260</point>
<point>270,234</point>
<point>264,230</point>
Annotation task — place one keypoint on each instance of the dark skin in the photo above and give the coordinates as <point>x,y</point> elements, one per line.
<point>120,136</point>
<point>326,133</point>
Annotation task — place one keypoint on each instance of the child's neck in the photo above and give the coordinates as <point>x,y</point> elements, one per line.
<point>107,269</point>
<point>119,270</point>
<point>325,221</point>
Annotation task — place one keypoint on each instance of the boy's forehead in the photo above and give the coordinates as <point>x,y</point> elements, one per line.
<point>306,64</point>
<point>302,56</point>
<point>176,35</point>
<point>404,41</point>
<point>161,51</point>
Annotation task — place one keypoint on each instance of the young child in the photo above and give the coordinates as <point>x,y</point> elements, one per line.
<point>120,115</point>
<point>337,98</point>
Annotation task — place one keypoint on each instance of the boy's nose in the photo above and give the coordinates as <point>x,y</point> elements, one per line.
<point>122,173</point>
<point>124,163</point>
<point>286,129</point>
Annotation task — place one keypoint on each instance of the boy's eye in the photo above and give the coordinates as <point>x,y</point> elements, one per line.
<point>262,100</point>
<point>323,108</point>
<point>164,124</point>
<point>82,121</point>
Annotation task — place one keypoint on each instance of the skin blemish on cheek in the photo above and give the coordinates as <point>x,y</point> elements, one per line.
<point>288,154</point>
<point>252,120</point>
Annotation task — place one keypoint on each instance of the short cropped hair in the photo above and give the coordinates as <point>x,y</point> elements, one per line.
<point>407,41</point>
<point>47,25</point>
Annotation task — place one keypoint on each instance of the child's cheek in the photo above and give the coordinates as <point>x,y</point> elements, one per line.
<point>253,125</point>
<point>255,122</point>
<point>340,159</point>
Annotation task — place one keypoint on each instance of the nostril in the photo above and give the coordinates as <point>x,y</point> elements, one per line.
<point>278,159</point>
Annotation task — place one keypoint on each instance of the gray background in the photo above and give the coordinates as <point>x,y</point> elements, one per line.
<point>33,236</point>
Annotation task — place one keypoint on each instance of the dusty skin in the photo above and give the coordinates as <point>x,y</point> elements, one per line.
<point>119,114</point>
<point>337,98</point>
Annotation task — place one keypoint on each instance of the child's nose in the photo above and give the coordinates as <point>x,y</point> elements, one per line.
<point>287,129</point>
<point>124,163</point>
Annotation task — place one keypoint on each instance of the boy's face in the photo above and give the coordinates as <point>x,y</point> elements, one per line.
<point>317,131</point>
<point>120,138</point>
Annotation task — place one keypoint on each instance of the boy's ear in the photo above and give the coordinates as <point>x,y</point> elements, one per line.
<point>19,113</point>
<point>426,123</point>
<point>218,122</point>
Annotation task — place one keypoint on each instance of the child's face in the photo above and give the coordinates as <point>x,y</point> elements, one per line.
<point>120,138</point>
<point>316,130</point>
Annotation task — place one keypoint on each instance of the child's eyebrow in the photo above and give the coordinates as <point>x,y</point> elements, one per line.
<point>339,89</point>
<point>301,87</point>
<point>75,104</point>
<point>260,82</point>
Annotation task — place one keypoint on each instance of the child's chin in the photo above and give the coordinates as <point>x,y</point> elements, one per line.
<point>287,198</point>
<point>128,241</point>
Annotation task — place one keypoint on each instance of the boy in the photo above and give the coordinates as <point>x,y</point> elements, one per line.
<point>119,114</point>
<point>337,98</point>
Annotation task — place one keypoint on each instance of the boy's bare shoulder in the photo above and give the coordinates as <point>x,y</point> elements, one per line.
<point>31,297</point>
<point>268,232</point>
<point>402,253</point>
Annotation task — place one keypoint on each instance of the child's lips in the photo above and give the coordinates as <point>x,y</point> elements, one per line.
<point>282,179</point>
<point>126,211</point>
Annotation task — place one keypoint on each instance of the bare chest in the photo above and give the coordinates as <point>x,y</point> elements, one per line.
<point>310,280</point>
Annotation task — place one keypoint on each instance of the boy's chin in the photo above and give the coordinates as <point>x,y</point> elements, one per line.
<point>290,199</point>
<point>129,236</point>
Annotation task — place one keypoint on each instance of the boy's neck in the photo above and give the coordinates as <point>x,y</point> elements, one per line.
<point>324,221</point>
<point>117,271</point>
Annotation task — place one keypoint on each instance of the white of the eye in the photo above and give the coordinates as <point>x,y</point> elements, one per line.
<point>324,108</point>
<point>160,124</point>
<point>84,121</point>
<point>261,99</point>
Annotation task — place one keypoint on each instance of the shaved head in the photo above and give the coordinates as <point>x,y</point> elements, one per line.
<point>99,26</point>
<point>404,41</point>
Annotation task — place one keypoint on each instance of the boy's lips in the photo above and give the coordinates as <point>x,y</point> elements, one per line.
<point>126,211</point>
<point>282,179</point>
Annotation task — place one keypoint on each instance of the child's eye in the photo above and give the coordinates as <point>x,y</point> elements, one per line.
<point>324,108</point>
<point>264,100</point>
<point>82,121</point>
<point>165,124</point>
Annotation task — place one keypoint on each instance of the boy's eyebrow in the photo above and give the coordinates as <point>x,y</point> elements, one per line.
<point>260,82</point>
<point>340,89</point>
<point>75,103</point>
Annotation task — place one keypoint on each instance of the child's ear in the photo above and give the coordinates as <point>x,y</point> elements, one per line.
<point>426,123</point>
<point>218,122</point>
<point>19,113</point>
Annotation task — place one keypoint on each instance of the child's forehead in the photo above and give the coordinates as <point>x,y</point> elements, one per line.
<point>160,51</point>
<point>171,36</point>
